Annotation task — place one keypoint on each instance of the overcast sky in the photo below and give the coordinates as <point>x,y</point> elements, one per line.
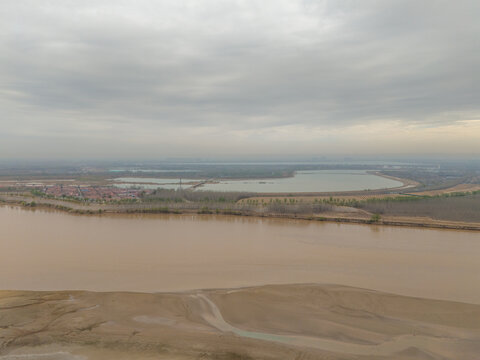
<point>150,78</point>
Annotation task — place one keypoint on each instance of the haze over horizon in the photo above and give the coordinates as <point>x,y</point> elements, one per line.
<point>142,79</point>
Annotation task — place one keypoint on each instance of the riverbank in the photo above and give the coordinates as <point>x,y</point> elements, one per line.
<point>307,321</point>
<point>341,214</point>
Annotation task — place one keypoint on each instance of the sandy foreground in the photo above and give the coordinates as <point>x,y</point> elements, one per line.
<point>297,322</point>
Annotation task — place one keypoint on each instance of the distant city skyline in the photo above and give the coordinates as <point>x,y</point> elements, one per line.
<point>217,79</point>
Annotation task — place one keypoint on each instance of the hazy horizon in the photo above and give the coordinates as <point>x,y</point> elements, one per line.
<point>239,79</point>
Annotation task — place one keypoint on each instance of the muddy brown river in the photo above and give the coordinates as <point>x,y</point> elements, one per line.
<point>48,250</point>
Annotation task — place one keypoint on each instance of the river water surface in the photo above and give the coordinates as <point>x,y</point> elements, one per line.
<point>47,250</point>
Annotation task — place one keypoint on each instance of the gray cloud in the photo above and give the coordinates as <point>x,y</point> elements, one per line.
<point>100,71</point>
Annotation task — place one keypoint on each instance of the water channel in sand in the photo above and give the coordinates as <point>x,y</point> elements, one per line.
<point>212,315</point>
<point>47,250</point>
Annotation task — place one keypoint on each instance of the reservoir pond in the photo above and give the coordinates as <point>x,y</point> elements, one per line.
<point>303,181</point>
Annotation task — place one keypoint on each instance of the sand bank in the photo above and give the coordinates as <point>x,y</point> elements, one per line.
<point>268,322</point>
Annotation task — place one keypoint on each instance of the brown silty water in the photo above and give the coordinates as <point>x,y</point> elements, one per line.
<point>47,250</point>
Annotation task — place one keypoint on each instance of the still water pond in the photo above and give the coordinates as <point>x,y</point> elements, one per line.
<point>303,181</point>
<point>46,250</point>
